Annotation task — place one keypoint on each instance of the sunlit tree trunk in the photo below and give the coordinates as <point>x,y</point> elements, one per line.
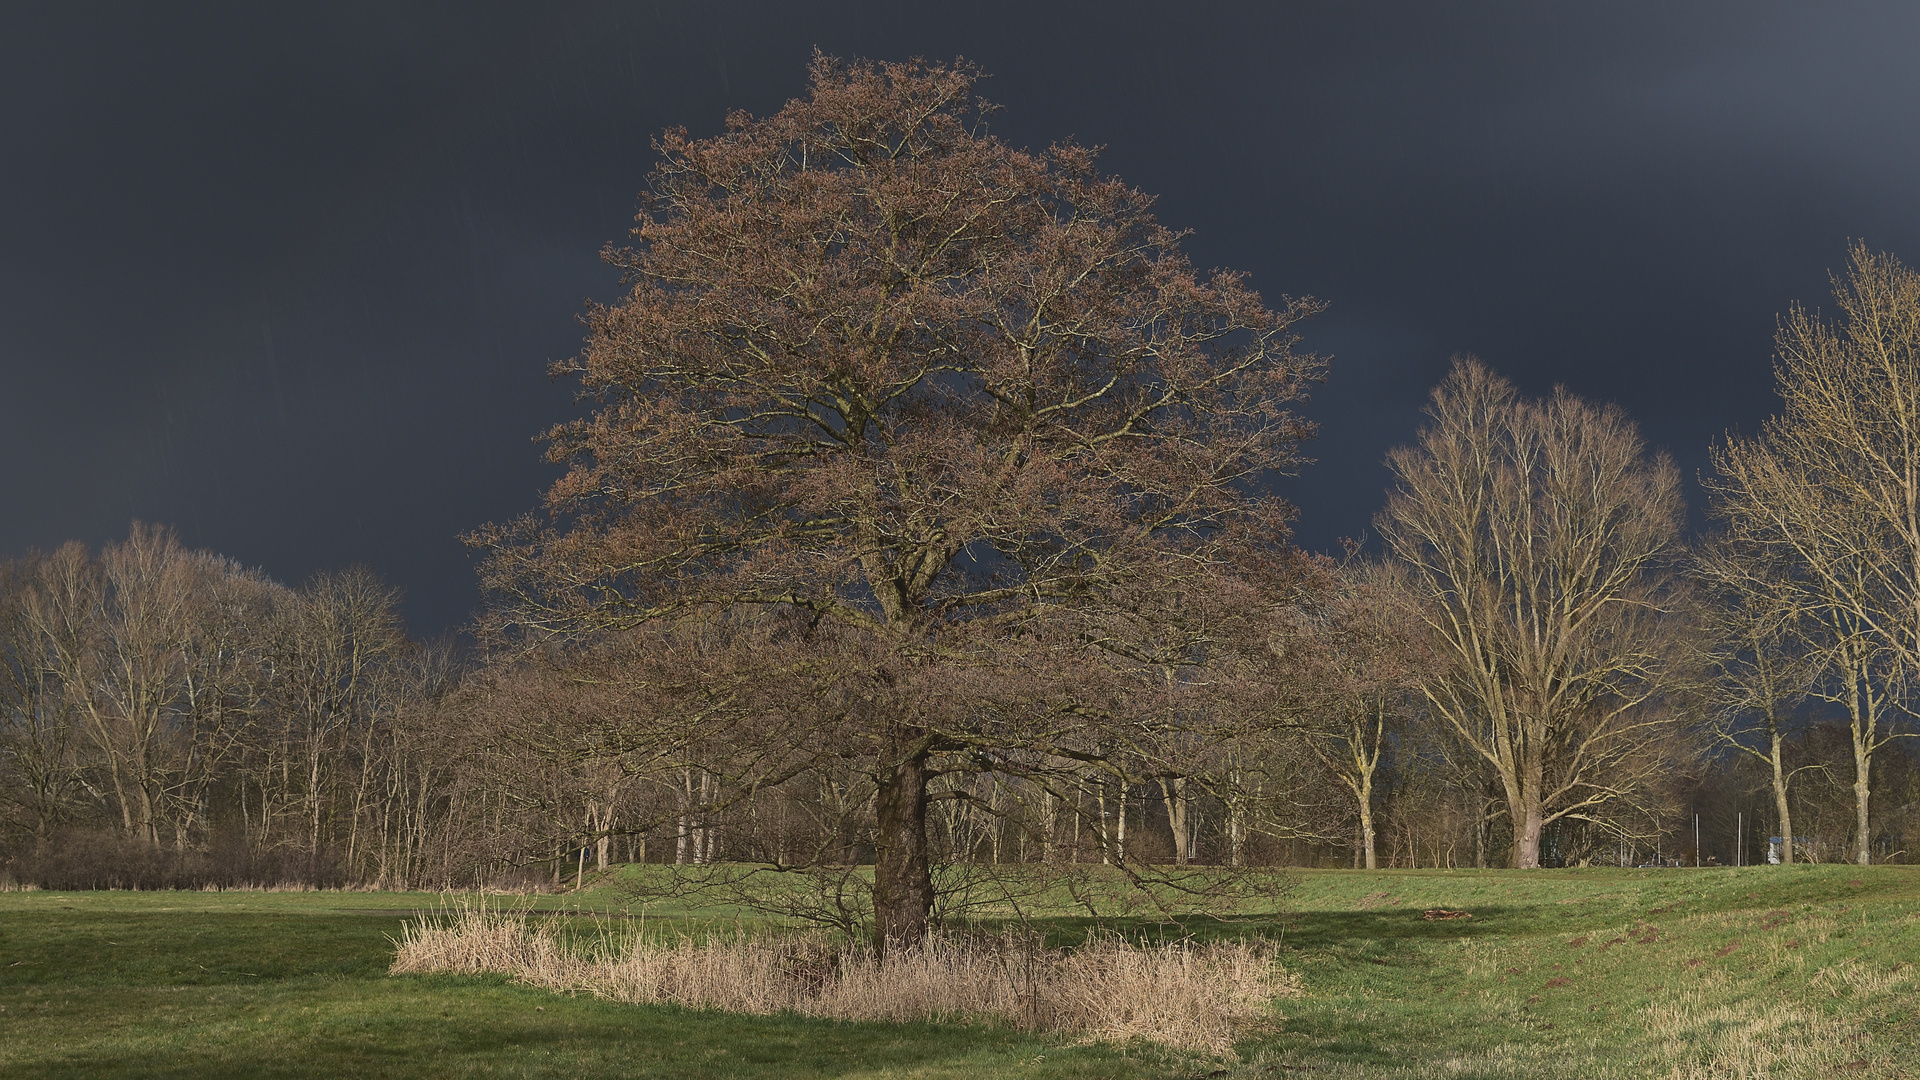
<point>1173,795</point>
<point>1781,809</point>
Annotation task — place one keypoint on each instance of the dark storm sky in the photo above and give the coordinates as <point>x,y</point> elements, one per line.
<point>289,282</point>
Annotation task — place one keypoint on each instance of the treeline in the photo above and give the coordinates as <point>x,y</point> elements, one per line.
<point>168,717</point>
<point>172,719</point>
<point>1534,671</point>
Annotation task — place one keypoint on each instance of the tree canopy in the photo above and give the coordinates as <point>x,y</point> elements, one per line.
<point>939,396</point>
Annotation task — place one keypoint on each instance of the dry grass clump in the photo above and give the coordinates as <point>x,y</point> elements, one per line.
<point>1193,997</point>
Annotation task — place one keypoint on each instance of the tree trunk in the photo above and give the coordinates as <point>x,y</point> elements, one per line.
<point>1862,792</point>
<point>1524,805</point>
<point>1049,824</point>
<point>902,881</point>
<point>1233,817</point>
<point>1366,823</point>
<point>147,824</point>
<point>1106,834</point>
<point>1173,793</point>
<point>993,820</point>
<point>703,834</point>
<point>684,840</point>
<point>1863,709</point>
<point>1780,801</point>
<point>1526,846</point>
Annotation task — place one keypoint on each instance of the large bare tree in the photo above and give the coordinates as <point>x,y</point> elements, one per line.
<point>940,397</point>
<point>1537,536</point>
<point>1831,489</point>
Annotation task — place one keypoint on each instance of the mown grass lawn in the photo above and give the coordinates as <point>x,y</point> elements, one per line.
<point>1803,971</point>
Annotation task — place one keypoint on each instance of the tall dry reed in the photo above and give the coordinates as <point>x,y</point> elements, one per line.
<point>1185,995</point>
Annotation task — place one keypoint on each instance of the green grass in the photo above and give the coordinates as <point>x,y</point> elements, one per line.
<point>1556,975</point>
<point>1590,973</point>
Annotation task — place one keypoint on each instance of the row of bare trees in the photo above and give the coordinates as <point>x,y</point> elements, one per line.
<point>1587,661</point>
<point>1818,571</point>
<point>180,702</point>
<point>173,702</point>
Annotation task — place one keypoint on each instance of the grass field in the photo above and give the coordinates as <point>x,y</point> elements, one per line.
<point>1766,971</point>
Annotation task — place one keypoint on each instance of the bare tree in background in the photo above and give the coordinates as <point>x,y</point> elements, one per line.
<point>1831,488</point>
<point>1536,536</point>
<point>333,645</point>
<point>953,404</point>
<point>1373,659</point>
<point>42,762</point>
<point>225,685</point>
<point>219,719</point>
<point>1755,653</point>
<point>117,630</point>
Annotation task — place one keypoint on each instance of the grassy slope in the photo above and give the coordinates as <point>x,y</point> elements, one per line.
<point>294,984</point>
<point>1594,973</point>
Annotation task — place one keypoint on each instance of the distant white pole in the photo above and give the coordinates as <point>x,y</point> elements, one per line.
<point>1740,838</point>
<point>1696,841</point>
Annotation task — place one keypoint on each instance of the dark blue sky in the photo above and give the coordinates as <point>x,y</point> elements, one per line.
<point>289,282</point>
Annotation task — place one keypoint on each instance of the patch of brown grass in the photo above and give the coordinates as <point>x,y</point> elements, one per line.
<point>1188,996</point>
